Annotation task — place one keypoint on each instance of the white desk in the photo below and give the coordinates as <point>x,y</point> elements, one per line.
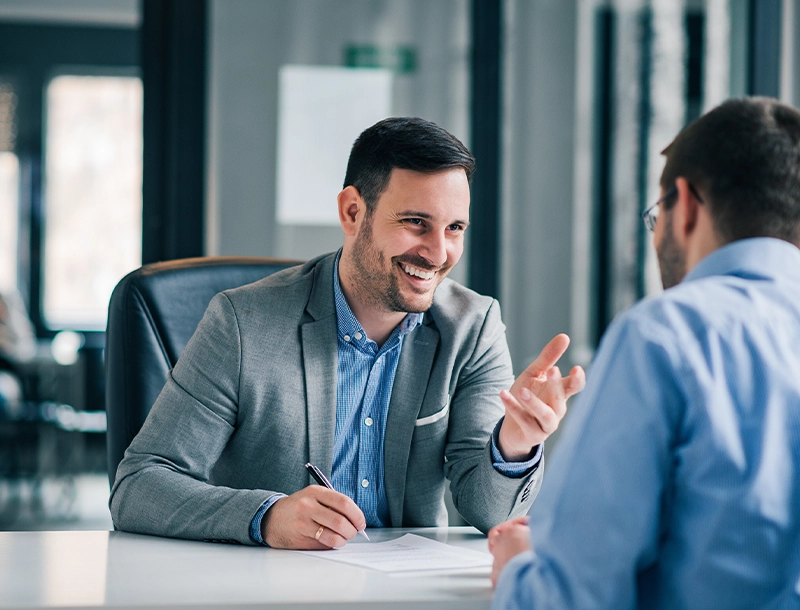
<point>121,570</point>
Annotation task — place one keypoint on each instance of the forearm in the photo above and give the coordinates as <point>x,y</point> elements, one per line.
<point>482,494</point>
<point>486,497</point>
<point>160,501</point>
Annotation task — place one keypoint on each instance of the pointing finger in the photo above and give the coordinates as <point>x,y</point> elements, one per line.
<point>548,356</point>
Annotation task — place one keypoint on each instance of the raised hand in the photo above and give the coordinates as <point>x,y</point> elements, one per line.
<point>537,402</point>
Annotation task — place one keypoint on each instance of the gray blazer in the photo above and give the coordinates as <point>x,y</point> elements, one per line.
<point>253,398</point>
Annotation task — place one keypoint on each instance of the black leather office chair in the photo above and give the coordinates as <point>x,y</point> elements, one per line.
<point>151,316</point>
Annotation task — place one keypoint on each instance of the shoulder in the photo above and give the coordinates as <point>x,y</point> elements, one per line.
<point>284,287</point>
<point>683,327</point>
<point>696,309</point>
<point>466,321</point>
<point>456,306</point>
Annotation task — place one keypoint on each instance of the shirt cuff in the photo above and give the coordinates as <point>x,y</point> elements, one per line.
<point>513,469</point>
<point>255,524</point>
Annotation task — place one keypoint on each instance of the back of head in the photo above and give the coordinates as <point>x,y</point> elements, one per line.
<point>745,157</point>
<point>403,143</point>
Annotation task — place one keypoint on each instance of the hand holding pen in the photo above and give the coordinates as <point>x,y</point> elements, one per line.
<point>320,478</point>
<point>314,518</point>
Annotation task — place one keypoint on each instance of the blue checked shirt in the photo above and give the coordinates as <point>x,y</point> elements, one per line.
<point>365,378</point>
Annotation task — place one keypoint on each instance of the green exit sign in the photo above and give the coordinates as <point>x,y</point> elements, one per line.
<point>400,59</point>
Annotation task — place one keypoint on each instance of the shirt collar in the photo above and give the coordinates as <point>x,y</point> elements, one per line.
<point>757,257</point>
<point>346,321</point>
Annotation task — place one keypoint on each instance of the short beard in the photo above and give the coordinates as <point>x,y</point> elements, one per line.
<point>371,286</point>
<point>671,259</point>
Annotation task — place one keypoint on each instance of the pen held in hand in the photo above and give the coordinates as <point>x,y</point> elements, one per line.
<point>320,478</point>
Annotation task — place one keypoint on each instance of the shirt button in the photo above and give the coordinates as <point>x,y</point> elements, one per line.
<point>368,421</point>
<point>364,483</point>
<point>347,338</point>
<point>358,336</point>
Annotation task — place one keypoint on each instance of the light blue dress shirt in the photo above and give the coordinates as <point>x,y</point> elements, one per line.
<point>364,383</point>
<point>676,483</point>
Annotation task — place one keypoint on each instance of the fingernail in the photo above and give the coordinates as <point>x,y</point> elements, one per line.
<point>525,393</point>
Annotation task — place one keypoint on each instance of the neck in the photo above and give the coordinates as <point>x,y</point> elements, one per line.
<point>376,321</point>
<point>704,241</point>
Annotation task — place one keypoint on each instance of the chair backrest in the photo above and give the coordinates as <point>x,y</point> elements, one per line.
<point>152,314</point>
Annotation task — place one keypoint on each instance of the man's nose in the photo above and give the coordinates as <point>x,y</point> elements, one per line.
<point>435,248</point>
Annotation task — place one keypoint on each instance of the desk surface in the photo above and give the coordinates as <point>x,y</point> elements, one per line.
<point>121,570</point>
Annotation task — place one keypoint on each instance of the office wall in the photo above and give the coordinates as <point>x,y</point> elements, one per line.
<point>251,39</point>
<point>76,12</point>
<point>538,173</point>
<point>547,133</point>
<point>790,53</point>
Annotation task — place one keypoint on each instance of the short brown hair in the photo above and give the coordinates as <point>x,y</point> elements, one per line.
<point>744,155</point>
<point>403,143</point>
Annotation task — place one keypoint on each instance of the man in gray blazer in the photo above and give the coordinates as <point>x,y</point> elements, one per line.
<point>367,363</point>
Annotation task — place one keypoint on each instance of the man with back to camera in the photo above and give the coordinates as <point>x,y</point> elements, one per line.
<point>693,401</point>
<point>367,363</point>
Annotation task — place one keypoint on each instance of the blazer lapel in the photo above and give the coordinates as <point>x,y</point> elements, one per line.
<point>320,361</point>
<point>408,391</point>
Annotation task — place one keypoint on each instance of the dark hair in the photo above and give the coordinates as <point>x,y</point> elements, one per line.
<point>744,155</point>
<point>404,143</point>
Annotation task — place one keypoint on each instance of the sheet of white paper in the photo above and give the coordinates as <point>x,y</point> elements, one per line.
<point>321,111</point>
<point>406,554</point>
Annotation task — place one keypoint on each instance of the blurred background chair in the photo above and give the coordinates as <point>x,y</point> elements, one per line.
<point>152,314</point>
<point>17,345</point>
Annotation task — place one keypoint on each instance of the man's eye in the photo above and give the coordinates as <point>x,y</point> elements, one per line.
<point>414,221</point>
<point>456,227</point>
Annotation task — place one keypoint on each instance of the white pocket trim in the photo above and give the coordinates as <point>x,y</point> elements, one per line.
<point>424,421</point>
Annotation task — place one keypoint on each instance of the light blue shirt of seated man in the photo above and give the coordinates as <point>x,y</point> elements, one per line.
<point>365,379</point>
<point>693,404</point>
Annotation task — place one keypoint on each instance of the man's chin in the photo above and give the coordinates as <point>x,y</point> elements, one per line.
<point>416,305</point>
<point>415,302</point>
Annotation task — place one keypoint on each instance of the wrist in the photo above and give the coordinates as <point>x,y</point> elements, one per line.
<point>265,517</point>
<point>510,448</point>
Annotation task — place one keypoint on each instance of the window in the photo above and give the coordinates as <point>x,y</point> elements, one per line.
<point>93,195</point>
<point>9,190</point>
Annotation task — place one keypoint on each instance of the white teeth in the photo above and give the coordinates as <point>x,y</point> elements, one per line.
<point>425,275</point>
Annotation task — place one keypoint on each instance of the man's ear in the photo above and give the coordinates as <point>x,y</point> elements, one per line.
<point>351,209</point>
<point>686,209</point>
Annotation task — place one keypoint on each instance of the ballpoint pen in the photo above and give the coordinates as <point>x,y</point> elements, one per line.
<point>320,478</point>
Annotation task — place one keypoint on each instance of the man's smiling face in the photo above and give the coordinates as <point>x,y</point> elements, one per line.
<point>411,240</point>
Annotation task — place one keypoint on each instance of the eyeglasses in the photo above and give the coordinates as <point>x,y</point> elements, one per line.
<point>650,215</point>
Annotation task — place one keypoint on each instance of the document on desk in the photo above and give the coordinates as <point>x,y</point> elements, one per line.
<point>410,553</point>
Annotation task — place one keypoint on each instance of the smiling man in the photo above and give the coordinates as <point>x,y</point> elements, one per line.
<point>367,362</point>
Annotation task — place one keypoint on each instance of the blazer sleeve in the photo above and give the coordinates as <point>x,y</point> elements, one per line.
<point>482,495</point>
<point>162,484</point>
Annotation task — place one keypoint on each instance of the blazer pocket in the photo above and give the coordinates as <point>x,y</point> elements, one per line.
<point>432,425</point>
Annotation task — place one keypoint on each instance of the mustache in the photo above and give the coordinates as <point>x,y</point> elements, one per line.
<point>418,262</point>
